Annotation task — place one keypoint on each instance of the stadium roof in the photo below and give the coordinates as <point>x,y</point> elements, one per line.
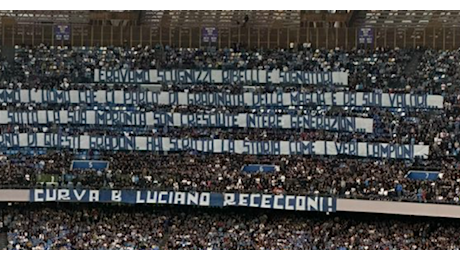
<point>235,18</point>
<point>165,18</point>
<point>408,18</point>
<point>36,17</point>
<point>223,18</point>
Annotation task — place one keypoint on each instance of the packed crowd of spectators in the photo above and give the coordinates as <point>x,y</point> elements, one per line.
<point>145,227</point>
<point>179,228</point>
<point>48,67</point>
<point>83,229</point>
<point>369,70</point>
<point>438,128</point>
<point>55,66</point>
<point>374,179</point>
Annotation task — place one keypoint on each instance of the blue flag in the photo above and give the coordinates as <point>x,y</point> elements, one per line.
<point>423,175</point>
<point>89,165</point>
<point>253,168</point>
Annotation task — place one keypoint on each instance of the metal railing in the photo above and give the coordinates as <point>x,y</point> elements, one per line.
<point>93,35</point>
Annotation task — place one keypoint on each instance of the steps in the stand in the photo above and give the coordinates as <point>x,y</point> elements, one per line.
<point>413,64</point>
<point>164,240</point>
<point>3,240</point>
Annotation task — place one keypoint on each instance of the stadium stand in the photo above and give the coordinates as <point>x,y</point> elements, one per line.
<point>115,227</point>
<point>222,130</point>
<point>417,18</point>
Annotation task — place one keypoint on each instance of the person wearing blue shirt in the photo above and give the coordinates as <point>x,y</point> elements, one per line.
<point>399,189</point>
<point>419,194</point>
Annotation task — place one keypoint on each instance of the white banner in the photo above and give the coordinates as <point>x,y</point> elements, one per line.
<point>221,120</point>
<point>250,77</point>
<point>219,99</point>
<point>142,143</point>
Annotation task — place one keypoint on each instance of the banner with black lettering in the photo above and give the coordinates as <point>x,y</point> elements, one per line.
<point>205,199</point>
<point>250,77</point>
<point>148,143</point>
<point>220,120</point>
<point>221,99</point>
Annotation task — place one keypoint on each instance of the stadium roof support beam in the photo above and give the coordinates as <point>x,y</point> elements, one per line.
<point>326,18</point>
<point>408,18</point>
<point>36,17</point>
<point>222,18</point>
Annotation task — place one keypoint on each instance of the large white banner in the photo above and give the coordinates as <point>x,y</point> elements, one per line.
<point>221,120</point>
<point>188,76</point>
<point>142,143</point>
<point>219,99</point>
<point>257,200</point>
